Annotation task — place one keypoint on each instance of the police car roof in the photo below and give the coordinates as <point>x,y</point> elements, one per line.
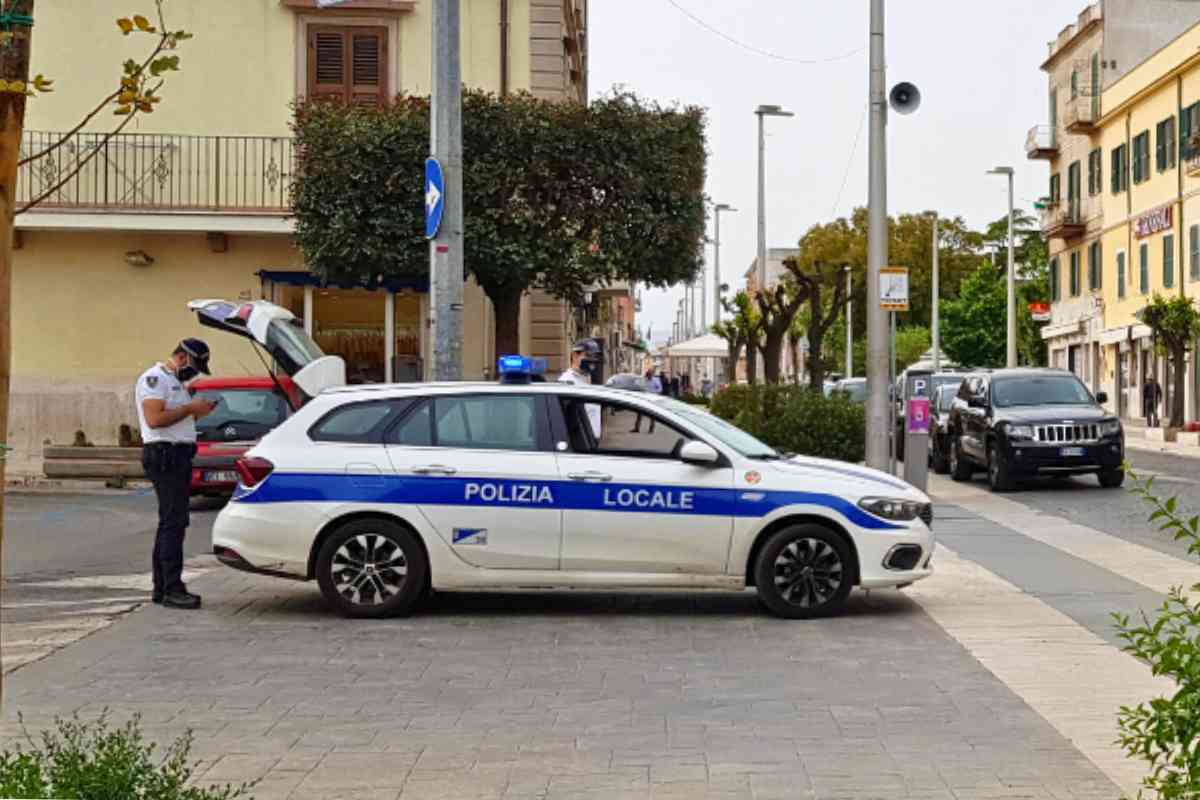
<point>485,387</point>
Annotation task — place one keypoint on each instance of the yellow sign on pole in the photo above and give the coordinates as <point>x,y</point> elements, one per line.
<point>893,288</point>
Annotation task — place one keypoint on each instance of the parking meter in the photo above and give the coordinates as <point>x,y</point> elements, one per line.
<point>918,412</point>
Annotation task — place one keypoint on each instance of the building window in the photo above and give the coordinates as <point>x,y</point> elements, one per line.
<point>1120,170</point>
<point>1054,290</point>
<point>1189,131</point>
<point>1144,268</point>
<point>1074,273</point>
<point>1074,84</point>
<point>1141,157</point>
<point>1164,145</point>
<point>1055,188</point>
<point>1095,167</point>
<point>1094,271</point>
<point>1168,261</point>
<point>1121,275</point>
<point>1195,248</point>
<point>348,64</point>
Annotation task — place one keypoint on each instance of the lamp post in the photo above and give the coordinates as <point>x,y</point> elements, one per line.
<point>878,403</point>
<point>717,209</point>
<point>936,330</point>
<point>1010,312</point>
<point>849,324</point>
<point>762,112</point>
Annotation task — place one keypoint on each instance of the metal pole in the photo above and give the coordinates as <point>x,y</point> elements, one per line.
<point>762,207</point>
<point>849,325</point>
<point>937,347</point>
<point>1012,283</point>
<point>878,434</point>
<point>892,401</point>
<point>701,299</point>
<point>717,270</point>
<point>446,249</point>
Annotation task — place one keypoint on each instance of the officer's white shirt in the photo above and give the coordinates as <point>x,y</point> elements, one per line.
<point>593,410</point>
<point>158,383</point>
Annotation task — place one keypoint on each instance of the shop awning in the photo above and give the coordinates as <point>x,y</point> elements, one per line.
<point>707,346</point>
<point>300,278</point>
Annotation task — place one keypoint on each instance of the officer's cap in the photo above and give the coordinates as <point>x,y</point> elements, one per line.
<point>198,350</point>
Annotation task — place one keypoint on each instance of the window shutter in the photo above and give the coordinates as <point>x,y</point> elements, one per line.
<point>348,64</point>
<point>1144,268</point>
<point>1120,274</point>
<point>1195,248</point>
<point>369,52</point>
<point>326,63</point>
<point>1116,170</point>
<point>1160,147</point>
<point>1185,132</point>
<point>1168,261</point>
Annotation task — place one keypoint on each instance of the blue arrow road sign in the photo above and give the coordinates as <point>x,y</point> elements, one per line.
<point>435,197</point>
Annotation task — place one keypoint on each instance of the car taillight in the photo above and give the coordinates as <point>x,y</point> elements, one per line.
<point>253,471</point>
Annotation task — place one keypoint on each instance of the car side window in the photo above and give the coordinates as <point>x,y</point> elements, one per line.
<point>489,422</point>
<point>625,431</point>
<point>416,429</point>
<point>360,423</point>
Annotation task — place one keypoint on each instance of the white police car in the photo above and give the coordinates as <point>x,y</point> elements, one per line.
<point>381,493</point>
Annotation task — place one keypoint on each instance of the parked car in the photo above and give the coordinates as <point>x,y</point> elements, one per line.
<point>627,381</point>
<point>1018,423</point>
<point>247,408</point>
<point>939,427</point>
<point>937,379</point>
<point>855,389</point>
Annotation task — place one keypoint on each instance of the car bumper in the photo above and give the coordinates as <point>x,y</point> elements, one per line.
<point>878,553</point>
<point>275,543</point>
<point>1028,458</point>
<point>203,468</point>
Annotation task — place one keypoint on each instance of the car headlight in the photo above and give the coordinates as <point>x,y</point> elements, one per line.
<point>1110,427</point>
<point>1020,431</point>
<point>891,508</point>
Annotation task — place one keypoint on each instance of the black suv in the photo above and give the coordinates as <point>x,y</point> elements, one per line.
<point>1018,423</point>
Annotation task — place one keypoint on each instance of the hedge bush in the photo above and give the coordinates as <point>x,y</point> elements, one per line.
<point>91,761</point>
<point>793,419</point>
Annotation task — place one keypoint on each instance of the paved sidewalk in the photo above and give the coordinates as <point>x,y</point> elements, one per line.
<point>564,695</point>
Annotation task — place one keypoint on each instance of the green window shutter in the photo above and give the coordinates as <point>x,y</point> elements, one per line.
<point>1168,261</point>
<point>1195,252</point>
<point>1120,275</point>
<point>1170,142</point>
<point>1075,274</point>
<point>1054,280</point>
<point>1160,147</point>
<point>1115,160</point>
<point>1144,268</point>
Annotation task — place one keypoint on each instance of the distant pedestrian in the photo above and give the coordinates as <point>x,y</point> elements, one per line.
<point>675,386</point>
<point>706,387</point>
<point>664,382</point>
<point>1151,397</point>
<point>168,415</point>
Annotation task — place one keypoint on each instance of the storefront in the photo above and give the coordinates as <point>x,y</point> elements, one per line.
<point>378,331</point>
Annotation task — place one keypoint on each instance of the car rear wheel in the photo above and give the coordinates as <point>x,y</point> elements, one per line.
<point>804,571</point>
<point>999,475</point>
<point>938,458</point>
<point>372,568</point>
<point>1112,478</point>
<point>960,469</point>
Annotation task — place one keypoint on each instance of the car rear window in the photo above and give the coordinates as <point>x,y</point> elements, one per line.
<point>241,414</point>
<point>357,422</point>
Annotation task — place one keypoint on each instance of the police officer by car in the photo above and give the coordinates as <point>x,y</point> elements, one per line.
<point>585,355</point>
<point>167,415</point>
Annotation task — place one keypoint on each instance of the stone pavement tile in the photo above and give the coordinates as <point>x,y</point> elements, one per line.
<point>354,771</point>
<point>782,786</point>
<point>238,768</point>
<point>674,772</point>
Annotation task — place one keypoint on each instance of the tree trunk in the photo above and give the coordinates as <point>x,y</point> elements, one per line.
<point>772,349</point>
<point>14,66</point>
<point>507,305</point>
<point>1179,360</point>
<point>752,362</point>
<point>735,354</point>
<point>794,349</point>
<point>816,363</point>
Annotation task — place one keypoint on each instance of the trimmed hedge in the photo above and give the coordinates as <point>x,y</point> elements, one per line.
<point>793,419</point>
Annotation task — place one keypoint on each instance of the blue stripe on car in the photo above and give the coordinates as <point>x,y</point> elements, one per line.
<point>295,487</point>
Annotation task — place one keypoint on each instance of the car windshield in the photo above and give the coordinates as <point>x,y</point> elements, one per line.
<point>241,414</point>
<point>947,380</point>
<point>727,434</point>
<point>1049,390</point>
<point>856,391</point>
<point>945,398</point>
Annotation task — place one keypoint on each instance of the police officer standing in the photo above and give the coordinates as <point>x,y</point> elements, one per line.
<point>168,415</point>
<point>584,355</point>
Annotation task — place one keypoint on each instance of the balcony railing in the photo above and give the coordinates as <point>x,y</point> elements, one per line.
<point>1192,164</point>
<point>1082,114</point>
<point>1063,220</point>
<point>158,172</point>
<point>1041,142</point>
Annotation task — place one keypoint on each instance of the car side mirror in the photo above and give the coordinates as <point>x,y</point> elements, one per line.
<point>699,454</point>
<point>1101,397</point>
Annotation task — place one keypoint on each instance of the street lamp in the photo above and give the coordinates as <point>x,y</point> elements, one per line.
<point>761,112</point>
<point>849,324</point>
<point>1012,287</point>
<point>717,209</point>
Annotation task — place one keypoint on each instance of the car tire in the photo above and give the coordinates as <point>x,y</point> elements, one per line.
<point>938,459</point>
<point>372,568</point>
<point>1112,478</point>
<point>999,475</point>
<point>804,571</point>
<point>960,468</point>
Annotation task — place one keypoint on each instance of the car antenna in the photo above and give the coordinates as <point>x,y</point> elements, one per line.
<point>275,378</point>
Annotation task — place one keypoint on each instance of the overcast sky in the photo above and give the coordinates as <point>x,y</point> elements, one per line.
<point>975,62</point>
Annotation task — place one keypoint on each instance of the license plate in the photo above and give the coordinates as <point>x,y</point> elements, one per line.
<point>1071,452</point>
<point>220,477</point>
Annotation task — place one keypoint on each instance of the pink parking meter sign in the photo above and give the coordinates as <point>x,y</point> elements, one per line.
<point>918,415</point>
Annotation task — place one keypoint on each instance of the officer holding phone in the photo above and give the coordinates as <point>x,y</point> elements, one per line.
<point>167,414</point>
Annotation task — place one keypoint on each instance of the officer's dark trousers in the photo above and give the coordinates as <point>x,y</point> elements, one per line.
<point>169,468</point>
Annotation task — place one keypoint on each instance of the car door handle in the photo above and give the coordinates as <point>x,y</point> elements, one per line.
<point>590,475</point>
<point>434,469</point>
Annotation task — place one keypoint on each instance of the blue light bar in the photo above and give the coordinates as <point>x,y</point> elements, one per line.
<point>520,365</point>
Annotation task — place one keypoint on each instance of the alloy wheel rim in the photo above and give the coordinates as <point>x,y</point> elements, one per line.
<point>808,572</point>
<point>369,569</point>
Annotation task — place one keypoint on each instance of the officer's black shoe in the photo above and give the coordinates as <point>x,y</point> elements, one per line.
<point>181,600</point>
<point>156,597</point>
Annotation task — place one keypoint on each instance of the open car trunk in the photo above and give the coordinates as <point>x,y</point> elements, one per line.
<point>281,334</point>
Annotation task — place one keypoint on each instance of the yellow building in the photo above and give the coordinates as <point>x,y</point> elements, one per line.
<point>192,201</point>
<point>1123,212</point>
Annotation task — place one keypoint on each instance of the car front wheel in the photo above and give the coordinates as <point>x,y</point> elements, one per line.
<point>937,457</point>
<point>999,474</point>
<point>372,568</point>
<point>804,571</point>
<point>1112,478</point>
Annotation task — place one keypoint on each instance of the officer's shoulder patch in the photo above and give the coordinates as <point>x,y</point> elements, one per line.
<point>152,381</point>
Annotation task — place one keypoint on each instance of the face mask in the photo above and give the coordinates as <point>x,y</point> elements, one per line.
<point>186,373</point>
<point>585,367</point>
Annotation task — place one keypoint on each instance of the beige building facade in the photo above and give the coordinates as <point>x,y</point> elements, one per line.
<point>193,200</point>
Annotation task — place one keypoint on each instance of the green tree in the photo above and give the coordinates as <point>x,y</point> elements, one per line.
<point>556,196</point>
<point>911,343</point>
<point>777,306</point>
<point>1031,258</point>
<point>1175,323</point>
<point>741,334</point>
<point>973,326</point>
